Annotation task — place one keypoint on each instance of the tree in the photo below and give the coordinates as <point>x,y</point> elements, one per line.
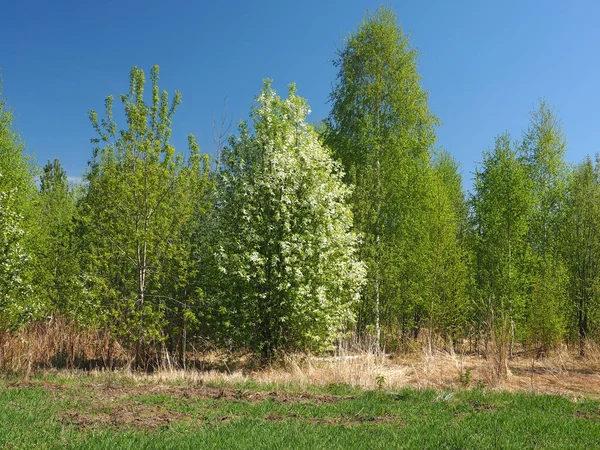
<point>57,271</point>
<point>449,278</point>
<point>16,188</point>
<point>135,214</point>
<point>183,275</point>
<point>582,249</point>
<point>544,147</point>
<point>286,250</point>
<point>13,259</point>
<point>501,208</point>
<point>381,129</point>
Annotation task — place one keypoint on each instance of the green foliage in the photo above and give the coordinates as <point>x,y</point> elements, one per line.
<point>581,250</point>
<point>381,129</point>
<point>183,288</point>
<point>14,287</point>
<point>450,272</point>
<point>136,216</point>
<point>285,250</point>
<point>58,282</point>
<point>465,376</point>
<point>16,188</point>
<point>544,148</point>
<point>380,380</point>
<point>501,208</point>
<point>547,311</point>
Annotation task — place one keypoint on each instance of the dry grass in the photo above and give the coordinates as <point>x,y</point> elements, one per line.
<point>61,345</point>
<point>57,344</point>
<point>561,373</point>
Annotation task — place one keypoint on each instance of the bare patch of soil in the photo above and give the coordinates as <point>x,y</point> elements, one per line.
<point>208,392</point>
<point>113,392</point>
<point>118,406</point>
<point>147,417</point>
<point>106,412</point>
<point>346,420</point>
<point>594,416</point>
<point>155,418</point>
<point>46,385</point>
<point>481,407</point>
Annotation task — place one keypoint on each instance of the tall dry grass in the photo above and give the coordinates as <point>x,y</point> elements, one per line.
<point>60,344</point>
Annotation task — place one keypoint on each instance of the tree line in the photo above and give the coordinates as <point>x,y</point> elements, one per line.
<point>297,234</point>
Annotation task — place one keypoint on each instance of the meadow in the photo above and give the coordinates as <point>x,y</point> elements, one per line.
<point>362,402</point>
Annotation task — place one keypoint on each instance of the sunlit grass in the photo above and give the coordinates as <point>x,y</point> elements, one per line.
<point>83,413</point>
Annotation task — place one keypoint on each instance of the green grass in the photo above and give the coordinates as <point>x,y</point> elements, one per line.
<point>74,413</point>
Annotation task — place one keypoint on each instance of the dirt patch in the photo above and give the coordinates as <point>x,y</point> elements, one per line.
<point>116,407</point>
<point>105,392</point>
<point>155,418</point>
<point>148,418</point>
<point>555,380</point>
<point>481,407</point>
<point>45,385</point>
<point>556,371</point>
<point>134,415</point>
<point>346,420</point>
<point>594,416</point>
<point>113,392</point>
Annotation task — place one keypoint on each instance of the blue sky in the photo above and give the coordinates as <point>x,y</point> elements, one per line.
<point>485,64</point>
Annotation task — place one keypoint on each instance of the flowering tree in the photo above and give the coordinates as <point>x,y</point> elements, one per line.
<point>13,259</point>
<point>286,250</point>
<point>16,187</point>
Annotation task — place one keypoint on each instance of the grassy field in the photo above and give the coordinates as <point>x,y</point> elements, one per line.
<point>112,412</point>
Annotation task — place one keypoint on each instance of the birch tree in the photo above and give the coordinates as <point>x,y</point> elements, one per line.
<point>582,250</point>
<point>57,272</point>
<point>381,129</point>
<point>501,206</point>
<point>544,148</point>
<point>449,303</point>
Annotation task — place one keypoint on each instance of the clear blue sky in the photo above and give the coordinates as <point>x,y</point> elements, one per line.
<point>484,63</point>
